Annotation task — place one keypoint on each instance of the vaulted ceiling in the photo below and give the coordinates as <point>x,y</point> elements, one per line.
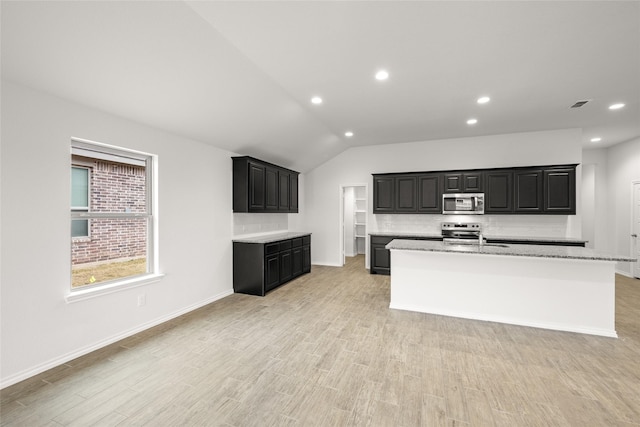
<point>240,75</point>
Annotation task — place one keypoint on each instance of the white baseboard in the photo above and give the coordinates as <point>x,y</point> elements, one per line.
<point>20,376</point>
<point>327,264</point>
<point>624,273</point>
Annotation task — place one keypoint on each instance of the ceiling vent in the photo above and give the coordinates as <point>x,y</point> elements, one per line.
<point>579,104</point>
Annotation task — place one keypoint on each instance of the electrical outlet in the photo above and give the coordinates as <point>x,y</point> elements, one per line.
<point>142,300</point>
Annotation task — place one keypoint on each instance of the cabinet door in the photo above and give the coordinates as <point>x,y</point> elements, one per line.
<point>296,262</point>
<point>406,194</point>
<point>429,194</point>
<point>271,189</point>
<point>293,207</point>
<point>383,194</point>
<point>286,266</point>
<point>272,271</point>
<point>453,183</point>
<point>381,259</point>
<point>499,190</point>
<point>256,187</point>
<point>472,182</point>
<point>284,187</point>
<point>306,258</point>
<point>528,191</point>
<point>560,191</point>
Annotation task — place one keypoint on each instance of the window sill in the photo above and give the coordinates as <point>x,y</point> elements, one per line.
<point>120,285</point>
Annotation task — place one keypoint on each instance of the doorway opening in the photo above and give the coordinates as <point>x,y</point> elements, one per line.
<point>635,229</point>
<point>354,221</point>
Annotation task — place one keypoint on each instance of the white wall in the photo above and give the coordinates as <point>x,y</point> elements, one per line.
<point>322,185</point>
<point>623,166</point>
<point>39,328</point>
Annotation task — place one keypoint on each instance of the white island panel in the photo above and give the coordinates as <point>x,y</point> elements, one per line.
<point>553,293</point>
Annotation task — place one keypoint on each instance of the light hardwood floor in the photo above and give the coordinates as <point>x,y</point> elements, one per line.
<point>326,350</point>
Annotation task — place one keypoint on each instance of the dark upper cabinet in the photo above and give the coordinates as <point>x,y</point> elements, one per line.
<point>256,187</point>
<point>405,187</point>
<point>271,189</point>
<point>472,182</point>
<point>520,190</point>
<point>429,193</point>
<point>383,194</point>
<point>452,182</point>
<point>293,197</point>
<point>263,187</point>
<point>463,182</point>
<point>498,197</point>
<point>284,193</point>
<point>528,191</point>
<point>560,191</point>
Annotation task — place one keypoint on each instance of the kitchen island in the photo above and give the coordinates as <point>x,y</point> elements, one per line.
<point>551,287</point>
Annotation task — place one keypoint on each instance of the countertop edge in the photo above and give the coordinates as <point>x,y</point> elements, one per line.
<point>531,251</point>
<point>269,238</point>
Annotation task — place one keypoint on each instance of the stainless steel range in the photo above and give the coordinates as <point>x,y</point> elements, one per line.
<point>462,233</point>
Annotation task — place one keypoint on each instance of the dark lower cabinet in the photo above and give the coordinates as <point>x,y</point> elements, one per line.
<point>272,271</point>
<point>380,258</point>
<point>261,267</point>
<point>380,262</point>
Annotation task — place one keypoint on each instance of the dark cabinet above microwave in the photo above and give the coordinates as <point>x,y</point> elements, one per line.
<point>547,190</point>
<point>262,187</point>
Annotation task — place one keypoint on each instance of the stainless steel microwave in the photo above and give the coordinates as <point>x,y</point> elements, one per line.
<point>463,203</point>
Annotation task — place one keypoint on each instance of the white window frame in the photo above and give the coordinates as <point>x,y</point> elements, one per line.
<point>99,150</point>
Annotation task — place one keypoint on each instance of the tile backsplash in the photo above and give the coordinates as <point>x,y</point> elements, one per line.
<point>259,223</point>
<point>492,225</point>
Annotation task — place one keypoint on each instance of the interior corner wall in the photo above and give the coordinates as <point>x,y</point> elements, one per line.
<point>322,184</point>
<point>595,199</point>
<point>39,329</point>
<point>623,166</point>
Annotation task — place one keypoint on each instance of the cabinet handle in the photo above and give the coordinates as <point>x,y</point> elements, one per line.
<point>634,235</point>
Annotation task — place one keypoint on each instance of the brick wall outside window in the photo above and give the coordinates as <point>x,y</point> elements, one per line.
<point>114,187</point>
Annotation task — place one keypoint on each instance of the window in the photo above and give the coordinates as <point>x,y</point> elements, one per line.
<point>112,216</point>
<point>79,200</point>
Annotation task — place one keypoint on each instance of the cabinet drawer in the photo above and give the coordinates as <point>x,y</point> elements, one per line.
<point>297,242</point>
<point>271,248</point>
<point>306,240</point>
<point>285,245</point>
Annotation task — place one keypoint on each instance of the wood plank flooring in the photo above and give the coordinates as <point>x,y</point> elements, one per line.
<point>326,350</point>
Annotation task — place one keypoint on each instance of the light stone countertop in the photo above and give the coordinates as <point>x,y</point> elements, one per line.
<point>269,238</point>
<point>567,252</point>
<point>489,237</point>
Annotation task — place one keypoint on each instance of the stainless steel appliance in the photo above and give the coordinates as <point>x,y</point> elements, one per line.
<point>463,203</point>
<point>462,233</point>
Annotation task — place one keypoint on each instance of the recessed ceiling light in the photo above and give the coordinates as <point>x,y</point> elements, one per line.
<point>616,106</point>
<point>472,121</point>
<point>483,100</point>
<point>382,75</point>
<point>596,139</point>
<point>316,100</point>
<point>348,134</point>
